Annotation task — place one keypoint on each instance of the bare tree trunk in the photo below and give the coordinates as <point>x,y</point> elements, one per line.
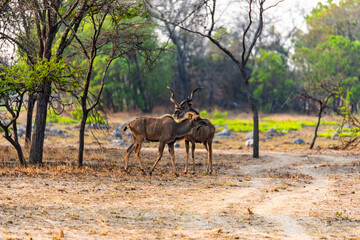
<point>82,135</point>
<point>85,111</point>
<point>317,125</point>
<point>18,148</point>
<point>14,141</point>
<point>37,141</point>
<point>255,113</point>
<point>29,117</point>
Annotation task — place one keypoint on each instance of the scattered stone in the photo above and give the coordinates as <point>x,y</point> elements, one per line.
<point>5,121</point>
<point>335,136</point>
<point>177,145</point>
<point>97,126</point>
<point>56,132</point>
<point>117,133</point>
<point>128,134</point>
<point>21,130</point>
<point>273,131</point>
<point>224,133</point>
<point>250,135</point>
<point>298,141</point>
<point>119,143</point>
<point>249,143</point>
<point>317,147</point>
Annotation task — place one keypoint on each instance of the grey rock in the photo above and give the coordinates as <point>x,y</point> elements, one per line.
<point>273,131</point>
<point>21,130</point>
<point>224,133</point>
<point>298,141</point>
<point>119,143</point>
<point>335,136</point>
<point>117,133</point>
<point>56,132</point>
<point>5,121</point>
<point>177,145</point>
<point>249,143</point>
<point>250,135</point>
<point>96,126</point>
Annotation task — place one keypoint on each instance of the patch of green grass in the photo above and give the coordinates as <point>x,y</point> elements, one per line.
<point>76,114</point>
<point>219,118</point>
<point>345,132</point>
<point>55,118</point>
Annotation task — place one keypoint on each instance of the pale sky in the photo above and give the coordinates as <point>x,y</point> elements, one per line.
<point>292,12</point>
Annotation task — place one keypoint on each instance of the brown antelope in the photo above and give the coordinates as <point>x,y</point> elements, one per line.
<point>164,130</point>
<point>204,135</point>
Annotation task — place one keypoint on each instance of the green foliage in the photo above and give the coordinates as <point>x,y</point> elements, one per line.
<point>269,83</point>
<point>134,79</point>
<point>53,117</point>
<point>22,76</point>
<point>343,132</point>
<point>219,115</point>
<point>264,125</point>
<point>96,117</point>
<point>76,114</point>
<point>204,114</point>
<point>329,67</point>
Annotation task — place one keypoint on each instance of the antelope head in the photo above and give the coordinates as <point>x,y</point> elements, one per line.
<point>184,106</point>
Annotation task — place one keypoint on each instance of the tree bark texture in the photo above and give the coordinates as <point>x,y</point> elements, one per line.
<point>82,137</point>
<point>317,125</point>
<point>37,141</point>
<point>29,118</point>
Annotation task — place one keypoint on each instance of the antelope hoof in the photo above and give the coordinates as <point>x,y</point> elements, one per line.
<point>150,173</point>
<point>176,174</point>
<point>126,170</point>
<point>185,172</point>
<point>143,172</point>
<point>193,172</point>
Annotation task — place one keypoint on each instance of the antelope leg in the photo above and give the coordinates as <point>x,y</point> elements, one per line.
<point>161,150</point>
<point>128,152</point>
<point>172,153</point>
<point>187,155</point>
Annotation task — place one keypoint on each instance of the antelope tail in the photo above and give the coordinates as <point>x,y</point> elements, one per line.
<point>125,127</point>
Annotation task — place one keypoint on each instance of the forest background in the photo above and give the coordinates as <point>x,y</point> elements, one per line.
<point>86,57</point>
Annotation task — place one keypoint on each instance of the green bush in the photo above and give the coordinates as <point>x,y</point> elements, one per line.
<point>219,118</point>
<point>53,117</point>
<point>219,115</point>
<point>204,114</point>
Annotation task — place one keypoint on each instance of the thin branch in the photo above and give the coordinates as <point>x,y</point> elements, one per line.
<point>74,32</point>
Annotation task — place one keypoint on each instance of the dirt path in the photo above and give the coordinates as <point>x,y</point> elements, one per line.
<point>279,196</point>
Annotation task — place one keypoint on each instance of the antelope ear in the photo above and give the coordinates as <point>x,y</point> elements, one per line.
<point>190,115</point>
<point>202,122</point>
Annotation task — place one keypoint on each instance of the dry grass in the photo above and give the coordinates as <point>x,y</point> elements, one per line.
<point>289,192</point>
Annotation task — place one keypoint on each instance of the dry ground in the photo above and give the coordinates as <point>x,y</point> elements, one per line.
<point>288,193</point>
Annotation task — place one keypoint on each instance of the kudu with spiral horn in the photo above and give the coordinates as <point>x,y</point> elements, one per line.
<point>164,130</point>
<point>204,135</point>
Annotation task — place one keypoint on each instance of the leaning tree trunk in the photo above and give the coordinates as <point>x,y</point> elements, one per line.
<point>29,117</point>
<point>317,125</point>
<point>37,141</point>
<point>15,144</point>
<point>82,135</point>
